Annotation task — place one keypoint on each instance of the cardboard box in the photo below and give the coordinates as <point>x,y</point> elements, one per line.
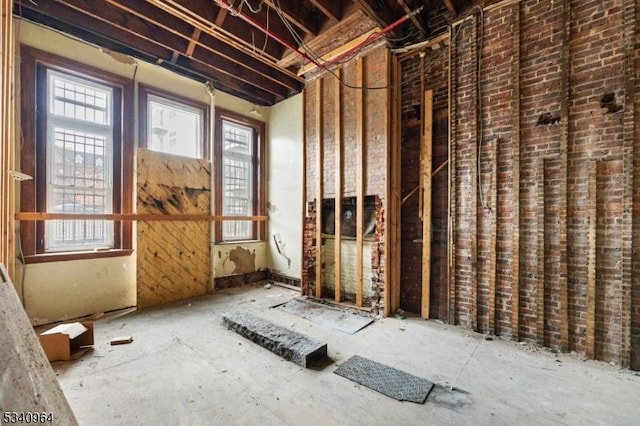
<point>67,341</point>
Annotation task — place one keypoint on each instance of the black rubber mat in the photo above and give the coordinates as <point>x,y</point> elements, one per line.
<point>386,380</point>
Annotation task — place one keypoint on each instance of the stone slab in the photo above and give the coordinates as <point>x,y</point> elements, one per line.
<point>289,344</point>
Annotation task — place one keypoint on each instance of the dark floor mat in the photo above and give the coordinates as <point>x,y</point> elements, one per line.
<point>386,380</point>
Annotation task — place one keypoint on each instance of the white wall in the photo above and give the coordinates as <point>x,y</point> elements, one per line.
<point>284,182</point>
<point>71,289</point>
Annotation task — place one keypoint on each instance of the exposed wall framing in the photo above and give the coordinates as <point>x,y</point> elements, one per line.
<point>7,136</point>
<point>347,150</point>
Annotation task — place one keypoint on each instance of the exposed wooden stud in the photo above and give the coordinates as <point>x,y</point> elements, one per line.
<point>319,189</point>
<point>451,190</point>
<point>493,213</point>
<point>335,53</point>
<point>591,264</point>
<point>392,236</point>
<point>630,39</point>
<point>360,163</point>
<point>426,163</point>
<point>337,122</point>
<point>475,173</point>
<point>126,217</point>
<point>304,267</point>
<point>515,203</point>
<point>541,255</point>
<point>7,136</point>
<point>422,120</point>
<point>564,194</point>
<point>634,349</point>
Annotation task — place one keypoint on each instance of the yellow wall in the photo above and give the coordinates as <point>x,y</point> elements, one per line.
<point>65,290</point>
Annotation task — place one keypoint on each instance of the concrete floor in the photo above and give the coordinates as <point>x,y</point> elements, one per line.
<point>185,368</point>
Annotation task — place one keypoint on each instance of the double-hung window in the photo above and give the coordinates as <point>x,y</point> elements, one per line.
<point>239,144</point>
<point>78,148</point>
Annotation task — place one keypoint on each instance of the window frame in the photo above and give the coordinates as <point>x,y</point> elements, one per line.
<point>33,153</point>
<point>258,182</point>
<point>143,97</point>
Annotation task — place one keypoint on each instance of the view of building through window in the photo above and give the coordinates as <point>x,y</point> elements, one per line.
<point>174,128</point>
<point>79,149</point>
<point>237,153</point>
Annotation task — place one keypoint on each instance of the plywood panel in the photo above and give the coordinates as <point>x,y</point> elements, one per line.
<point>174,258</point>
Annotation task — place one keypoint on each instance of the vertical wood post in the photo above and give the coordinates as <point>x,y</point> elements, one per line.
<point>338,189</point>
<point>591,264</point>
<point>359,178</point>
<point>319,190</point>
<point>426,161</point>
<point>515,206</point>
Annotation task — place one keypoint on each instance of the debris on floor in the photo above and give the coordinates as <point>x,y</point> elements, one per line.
<point>344,320</point>
<point>122,340</point>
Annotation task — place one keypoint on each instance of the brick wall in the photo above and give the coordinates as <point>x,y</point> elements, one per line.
<point>435,71</point>
<point>550,303</point>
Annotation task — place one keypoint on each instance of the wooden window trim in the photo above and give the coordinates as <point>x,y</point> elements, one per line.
<point>144,91</point>
<point>33,153</point>
<point>259,177</point>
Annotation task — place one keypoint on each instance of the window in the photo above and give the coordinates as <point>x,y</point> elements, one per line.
<point>172,124</point>
<point>239,156</point>
<point>79,143</point>
<point>79,151</point>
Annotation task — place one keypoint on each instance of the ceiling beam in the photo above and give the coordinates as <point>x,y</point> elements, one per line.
<point>150,53</point>
<point>205,13</point>
<point>222,14</point>
<point>292,58</point>
<point>382,15</point>
<point>128,30</point>
<point>190,48</point>
<point>205,41</point>
<point>415,19</point>
<point>450,6</point>
<point>296,13</point>
<point>331,8</point>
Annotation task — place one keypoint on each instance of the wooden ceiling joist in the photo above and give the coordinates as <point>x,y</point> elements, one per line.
<point>108,25</point>
<point>415,19</point>
<point>323,39</point>
<point>382,15</point>
<point>331,8</point>
<point>295,12</point>
<point>215,46</point>
<point>450,6</point>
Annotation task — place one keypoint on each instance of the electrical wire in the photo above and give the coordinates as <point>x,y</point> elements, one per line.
<point>24,268</point>
<point>480,122</point>
<point>318,60</point>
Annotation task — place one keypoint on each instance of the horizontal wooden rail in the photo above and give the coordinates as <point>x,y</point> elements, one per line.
<point>40,216</point>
